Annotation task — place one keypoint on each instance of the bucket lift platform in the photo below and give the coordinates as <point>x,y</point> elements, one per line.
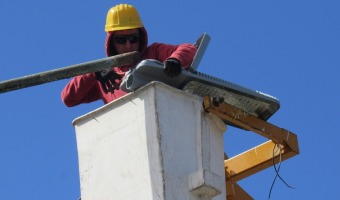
<point>157,143</point>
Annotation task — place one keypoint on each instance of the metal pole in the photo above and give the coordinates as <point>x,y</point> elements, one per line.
<point>68,72</point>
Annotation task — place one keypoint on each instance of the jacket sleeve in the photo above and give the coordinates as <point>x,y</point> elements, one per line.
<point>184,53</point>
<point>81,89</point>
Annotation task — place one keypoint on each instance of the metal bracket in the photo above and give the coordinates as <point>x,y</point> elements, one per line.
<point>259,157</point>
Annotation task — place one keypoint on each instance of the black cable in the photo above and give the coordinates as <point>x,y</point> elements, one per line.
<point>271,188</point>
<point>277,170</point>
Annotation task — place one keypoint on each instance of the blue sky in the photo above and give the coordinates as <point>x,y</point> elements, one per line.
<point>288,49</point>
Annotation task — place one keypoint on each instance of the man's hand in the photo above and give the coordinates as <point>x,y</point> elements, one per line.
<point>172,67</point>
<point>109,80</point>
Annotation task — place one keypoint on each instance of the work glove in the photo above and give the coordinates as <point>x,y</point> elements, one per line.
<point>109,80</point>
<point>172,67</point>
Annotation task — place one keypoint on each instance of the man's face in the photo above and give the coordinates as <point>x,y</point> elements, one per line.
<point>126,41</point>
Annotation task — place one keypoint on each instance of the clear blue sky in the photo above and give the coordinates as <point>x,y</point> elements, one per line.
<point>288,49</point>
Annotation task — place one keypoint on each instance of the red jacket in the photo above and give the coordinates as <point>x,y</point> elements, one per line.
<point>86,89</point>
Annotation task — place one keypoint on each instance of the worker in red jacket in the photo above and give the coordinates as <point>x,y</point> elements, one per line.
<point>125,33</point>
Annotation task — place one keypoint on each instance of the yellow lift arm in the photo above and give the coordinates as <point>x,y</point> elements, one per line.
<point>258,158</point>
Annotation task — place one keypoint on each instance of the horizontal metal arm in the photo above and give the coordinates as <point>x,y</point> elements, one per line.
<point>68,72</point>
<point>249,122</point>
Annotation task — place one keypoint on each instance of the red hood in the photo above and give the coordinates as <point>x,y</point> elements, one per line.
<point>144,42</point>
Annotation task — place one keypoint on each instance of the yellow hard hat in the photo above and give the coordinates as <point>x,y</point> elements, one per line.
<point>122,17</point>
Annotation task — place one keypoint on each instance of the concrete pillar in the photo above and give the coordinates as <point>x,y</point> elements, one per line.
<point>154,144</point>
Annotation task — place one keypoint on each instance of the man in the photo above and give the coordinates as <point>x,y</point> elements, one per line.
<point>125,33</point>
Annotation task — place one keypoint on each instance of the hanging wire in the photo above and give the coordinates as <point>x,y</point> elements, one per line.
<point>277,169</point>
